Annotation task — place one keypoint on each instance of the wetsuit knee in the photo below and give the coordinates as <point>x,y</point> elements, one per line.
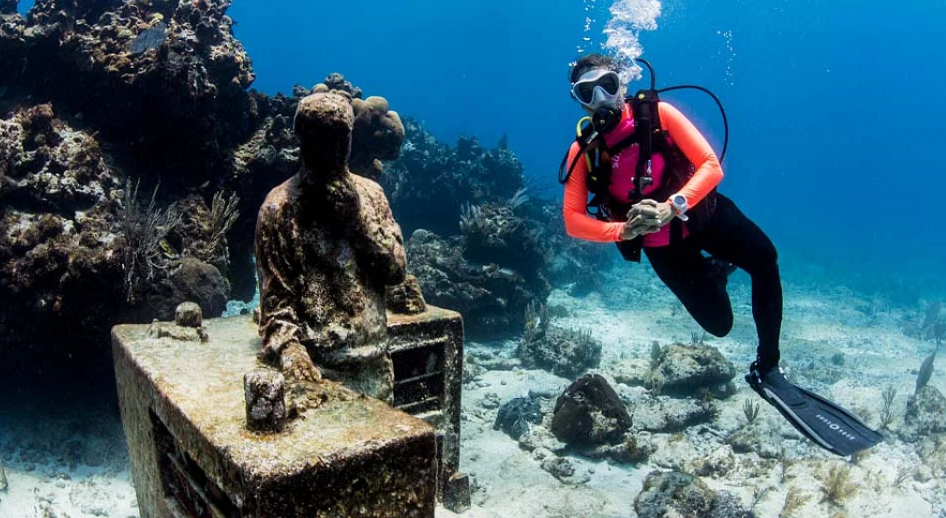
<point>764,259</point>
<point>719,325</point>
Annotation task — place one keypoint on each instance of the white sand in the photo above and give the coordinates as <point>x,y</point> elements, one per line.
<point>512,484</point>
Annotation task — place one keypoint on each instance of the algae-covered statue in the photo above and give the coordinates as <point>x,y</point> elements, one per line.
<point>327,246</point>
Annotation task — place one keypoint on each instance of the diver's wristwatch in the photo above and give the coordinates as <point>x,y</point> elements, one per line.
<point>679,204</point>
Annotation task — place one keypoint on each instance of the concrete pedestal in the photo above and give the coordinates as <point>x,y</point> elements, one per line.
<point>183,411</point>
<point>427,351</point>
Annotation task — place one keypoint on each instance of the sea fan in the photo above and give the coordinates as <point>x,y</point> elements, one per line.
<point>471,218</point>
<point>518,199</point>
<point>143,227</point>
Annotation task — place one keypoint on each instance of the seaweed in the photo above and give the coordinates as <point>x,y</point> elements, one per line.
<point>903,474</point>
<point>794,500</point>
<point>471,218</point>
<point>519,198</point>
<point>886,417</point>
<point>758,495</point>
<point>751,409</point>
<point>223,215</point>
<point>784,462</point>
<point>837,486</point>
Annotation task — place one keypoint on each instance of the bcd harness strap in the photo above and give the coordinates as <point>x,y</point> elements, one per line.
<point>648,134</point>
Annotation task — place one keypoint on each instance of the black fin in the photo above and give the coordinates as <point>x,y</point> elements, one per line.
<point>822,421</point>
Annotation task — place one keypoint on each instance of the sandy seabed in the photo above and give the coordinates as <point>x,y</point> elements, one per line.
<point>74,463</point>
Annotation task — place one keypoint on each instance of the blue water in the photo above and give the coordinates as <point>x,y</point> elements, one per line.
<point>835,106</point>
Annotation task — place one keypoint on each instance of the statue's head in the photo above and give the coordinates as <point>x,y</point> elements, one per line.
<point>324,124</point>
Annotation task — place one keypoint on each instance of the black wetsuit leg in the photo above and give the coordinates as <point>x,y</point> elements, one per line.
<point>732,237</point>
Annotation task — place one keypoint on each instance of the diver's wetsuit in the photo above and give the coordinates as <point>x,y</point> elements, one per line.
<point>732,237</point>
<point>728,235</point>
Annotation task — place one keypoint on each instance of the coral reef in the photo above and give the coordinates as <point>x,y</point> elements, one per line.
<point>498,256</point>
<point>431,182</point>
<point>491,297</point>
<point>145,99</point>
<point>60,249</point>
<point>562,351</point>
<point>129,142</point>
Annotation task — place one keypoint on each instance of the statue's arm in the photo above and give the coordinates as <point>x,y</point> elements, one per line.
<point>280,325</point>
<point>383,246</point>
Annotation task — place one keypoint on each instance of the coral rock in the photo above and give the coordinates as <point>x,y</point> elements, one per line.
<point>664,414</point>
<point>686,370</point>
<point>378,135</point>
<point>684,496</point>
<point>590,412</point>
<point>188,314</point>
<point>924,415</point>
<point>515,416</point>
<point>189,280</point>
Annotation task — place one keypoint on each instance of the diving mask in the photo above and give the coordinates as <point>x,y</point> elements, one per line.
<point>596,89</point>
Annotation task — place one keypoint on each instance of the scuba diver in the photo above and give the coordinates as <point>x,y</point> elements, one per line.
<point>652,178</point>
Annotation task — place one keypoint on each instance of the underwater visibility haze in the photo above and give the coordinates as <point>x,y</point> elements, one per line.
<point>220,224</point>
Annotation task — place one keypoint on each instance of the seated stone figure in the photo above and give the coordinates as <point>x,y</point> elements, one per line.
<point>326,248</point>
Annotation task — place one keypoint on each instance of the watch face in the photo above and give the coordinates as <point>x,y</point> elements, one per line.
<point>679,200</point>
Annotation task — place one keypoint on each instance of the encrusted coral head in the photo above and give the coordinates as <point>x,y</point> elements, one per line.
<point>323,123</point>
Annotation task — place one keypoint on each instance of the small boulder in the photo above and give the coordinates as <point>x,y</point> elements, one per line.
<point>561,351</point>
<point>189,280</point>
<point>685,496</point>
<point>718,464</point>
<point>590,413</point>
<point>761,437</point>
<point>188,314</point>
<point>924,415</point>
<point>515,416</point>
<point>668,415</point>
<point>687,370</point>
<point>633,372</point>
<point>563,469</point>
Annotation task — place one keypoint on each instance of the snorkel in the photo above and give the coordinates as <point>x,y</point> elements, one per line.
<point>600,91</point>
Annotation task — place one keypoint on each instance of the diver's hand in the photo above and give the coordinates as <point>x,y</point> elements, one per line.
<point>652,213</point>
<point>636,226</point>
<point>296,363</point>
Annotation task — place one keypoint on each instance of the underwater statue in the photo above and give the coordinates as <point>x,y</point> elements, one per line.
<point>327,246</point>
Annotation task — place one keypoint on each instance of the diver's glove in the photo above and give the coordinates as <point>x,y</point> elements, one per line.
<point>652,213</point>
<point>636,227</point>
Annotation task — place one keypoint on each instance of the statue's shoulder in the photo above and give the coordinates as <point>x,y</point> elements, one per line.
<point>276,201</point>
<point>367,186</point>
